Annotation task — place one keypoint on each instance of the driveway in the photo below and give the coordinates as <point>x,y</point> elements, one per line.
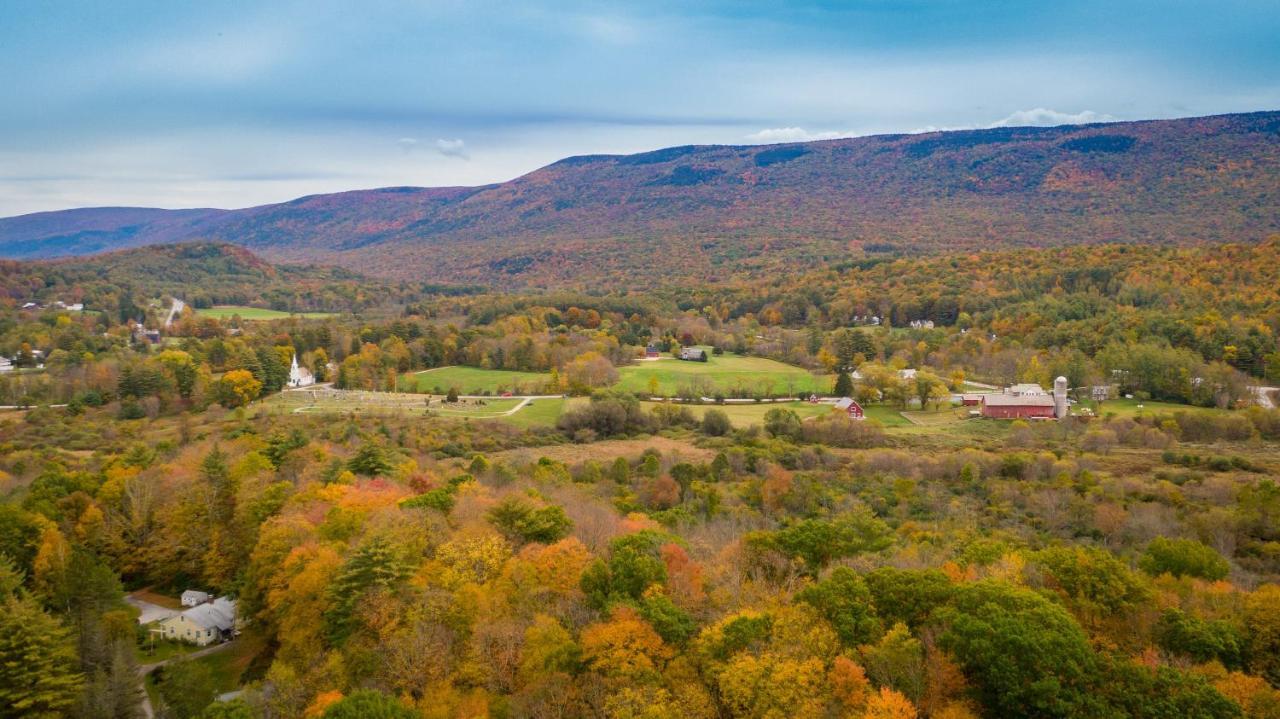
<point>150,612</point>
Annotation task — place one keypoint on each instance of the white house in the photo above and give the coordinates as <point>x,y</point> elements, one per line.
<point>193,597</point>
<point>300,376</point>
<point>6,364</point>
<point>202,624</point>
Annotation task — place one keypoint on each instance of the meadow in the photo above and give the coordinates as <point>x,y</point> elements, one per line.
<point>728,374</point>
<point>474,380</point>
<point>222,312</point>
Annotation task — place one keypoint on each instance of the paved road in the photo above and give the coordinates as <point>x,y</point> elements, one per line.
<point>150,612</point>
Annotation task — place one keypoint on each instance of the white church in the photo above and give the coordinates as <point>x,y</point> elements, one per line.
<point>300,376</point>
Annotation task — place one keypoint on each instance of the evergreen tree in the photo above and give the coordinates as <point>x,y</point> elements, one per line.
<point>38,677</point>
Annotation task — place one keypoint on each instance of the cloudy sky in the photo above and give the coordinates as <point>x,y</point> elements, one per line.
<point>230,103</point>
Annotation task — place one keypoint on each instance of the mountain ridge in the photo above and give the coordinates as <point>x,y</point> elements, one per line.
<point>708,210</point>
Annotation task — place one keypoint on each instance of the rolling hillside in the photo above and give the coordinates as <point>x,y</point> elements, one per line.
<point>692,213</point>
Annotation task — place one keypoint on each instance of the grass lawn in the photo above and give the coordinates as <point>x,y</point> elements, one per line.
<point>255,313</point>
<point>473,380</point>
<point>542,412</point>
<point>163,649</point>
<point>1129,407</point>
<point>730,374</point>
<point>886,415</point>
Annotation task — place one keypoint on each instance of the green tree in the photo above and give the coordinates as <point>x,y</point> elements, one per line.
<point>844,385</point>
<point>522,522</point>
<point>38,677</point>
<point>186,687</point>
<point>1180,633</point>
<point>782,423</point>
<point>1183,557</point>
<point>715,423</point>
<point>843,598</point>
<point>1024,654</point>
<point>370,460</point>
<point>908,596</point>
<point>367,704</point>
<point>375,565</point>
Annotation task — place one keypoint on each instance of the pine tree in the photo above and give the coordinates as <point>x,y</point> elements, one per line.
<point>38,677</point>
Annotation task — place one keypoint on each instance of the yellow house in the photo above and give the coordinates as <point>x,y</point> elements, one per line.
<point>202,624</point>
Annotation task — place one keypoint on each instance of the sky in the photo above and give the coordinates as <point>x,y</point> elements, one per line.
<point>229,103</point>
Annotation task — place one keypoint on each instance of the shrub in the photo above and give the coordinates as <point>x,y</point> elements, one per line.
<point>715,423</point>
<point>1183,557</point>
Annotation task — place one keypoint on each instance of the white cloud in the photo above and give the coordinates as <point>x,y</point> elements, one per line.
<point>794,134</point>
<point>407,144</point>
<point>452,148</point>
<point>1043,117</point>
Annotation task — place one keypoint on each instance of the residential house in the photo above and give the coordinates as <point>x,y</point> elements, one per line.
<point>652,351</point>
<point>202,624</point>
<point>693,354</point>
<point>194,597</point>
<point>850,406</point>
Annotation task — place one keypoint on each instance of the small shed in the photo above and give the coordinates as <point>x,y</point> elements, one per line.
<point>194,597</point>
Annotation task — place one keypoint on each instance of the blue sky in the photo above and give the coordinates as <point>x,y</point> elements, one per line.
<point>229,104</point>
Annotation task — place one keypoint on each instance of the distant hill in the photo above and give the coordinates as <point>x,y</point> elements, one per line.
<point>702,212</point>
<point>203,273</point>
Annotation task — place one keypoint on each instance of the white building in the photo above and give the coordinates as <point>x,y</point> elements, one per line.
<point>193,597</point>
<point>300,376</point>
<point>6,364</point>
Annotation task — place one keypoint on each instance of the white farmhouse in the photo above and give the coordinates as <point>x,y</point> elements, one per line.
<point>194,597</point>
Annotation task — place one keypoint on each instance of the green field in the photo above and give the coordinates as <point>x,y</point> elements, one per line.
<point>473,380</point>
<point>542,412</point>
<point>223,312</point>
<point>728,374</point>
<point>1130,407</point>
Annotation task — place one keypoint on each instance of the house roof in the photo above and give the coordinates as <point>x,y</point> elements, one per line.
<point>1026,388</point>
<point>1013,400</point>
<point>195,595</point>
<point>219,614</point>
<point>846,403</point>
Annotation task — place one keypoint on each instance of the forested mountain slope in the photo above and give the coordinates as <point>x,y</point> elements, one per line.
<point>698,212</point>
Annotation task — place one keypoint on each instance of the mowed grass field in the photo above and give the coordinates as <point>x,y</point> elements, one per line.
<point>728,374</point>
<point>474,380</point>
<point>255,313</point>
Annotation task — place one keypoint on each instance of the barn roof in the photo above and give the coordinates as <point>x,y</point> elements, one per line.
<point>1011,400</point>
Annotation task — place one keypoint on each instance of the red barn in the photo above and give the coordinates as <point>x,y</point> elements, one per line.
<point>851,407</point>
<point>1009,406</point>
